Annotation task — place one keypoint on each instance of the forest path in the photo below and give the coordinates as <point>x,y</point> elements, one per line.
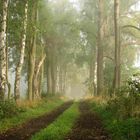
<point>88,126</point>
<point>28,129</point>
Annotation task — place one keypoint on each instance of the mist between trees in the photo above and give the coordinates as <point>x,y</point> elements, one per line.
<point>67,47</point>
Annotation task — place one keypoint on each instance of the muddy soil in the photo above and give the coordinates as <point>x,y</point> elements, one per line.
<point>25,131</point>
<point>88,126</point>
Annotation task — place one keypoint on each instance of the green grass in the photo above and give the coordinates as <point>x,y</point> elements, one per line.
<point>45,106</point>
<point>61,127</point>
<point>125,129</point>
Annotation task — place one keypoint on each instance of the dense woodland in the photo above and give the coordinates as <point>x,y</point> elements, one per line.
<point>73,48</point>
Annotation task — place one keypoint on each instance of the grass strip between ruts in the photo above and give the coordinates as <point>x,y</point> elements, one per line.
<point>60,127</point>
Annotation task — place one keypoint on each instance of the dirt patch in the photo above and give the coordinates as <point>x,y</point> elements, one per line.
<point>25,131</point>
<point>88,126</point>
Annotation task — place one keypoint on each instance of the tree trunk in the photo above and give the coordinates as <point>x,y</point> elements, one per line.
<point>32,52</point>
<point>117,46</point>
<point>22,54</point>
<point>64,80</point>
<point>100,76</point>
<point>57,78</point>
<point>61,79</point>
<point>49,89</point>
<point>31,66</point>
<point>53,69</point>
<point>42,73</point>
<point>53,76</point>
<point>3,49</point>
<point>92,72</point>
<point>62,74</point>
<point>49,86</point>
<point>36,79</point>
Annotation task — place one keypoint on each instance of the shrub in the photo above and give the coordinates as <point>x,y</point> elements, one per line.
<point>127,99</point>
<point>134,87</point>
<point>8,108</point>
<point>120,129</point>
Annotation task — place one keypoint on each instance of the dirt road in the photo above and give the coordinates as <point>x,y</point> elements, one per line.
<point>25,131</point>
<point>88,126</point>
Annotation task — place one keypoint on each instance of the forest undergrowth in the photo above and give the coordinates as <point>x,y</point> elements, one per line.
<point>121,113</point>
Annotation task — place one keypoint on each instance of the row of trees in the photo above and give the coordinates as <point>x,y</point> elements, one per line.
<point>111,41</point>
<point>18,41</point>
<point>52,43</point>
<point>34,33</point>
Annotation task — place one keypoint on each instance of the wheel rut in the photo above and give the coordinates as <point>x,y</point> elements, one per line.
<point>88,126</point>
<point>25,131</point>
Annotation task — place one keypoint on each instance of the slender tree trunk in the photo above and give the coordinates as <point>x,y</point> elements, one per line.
<point>117,46</point>
<point>64,80</point>
<point>49,89</point>
<point>57,79</point>
<point>53,77</point>
<point>61,80</point>
<point>22,54</point>
<point>49,80</point>
<point>53,69</point>
<point>3,49</point>
<point>36,79</point>
<point>100,75</point>
<point>42,73</point>
<point>7,60</point>
<point>7,66</point>
<point>7,81</point>
<point>6,50</point>
<point>92,72</point>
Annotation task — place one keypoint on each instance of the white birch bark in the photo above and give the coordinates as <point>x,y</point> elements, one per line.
<point>22,54</point>
<point>36,80</point>
<point>3,49</point>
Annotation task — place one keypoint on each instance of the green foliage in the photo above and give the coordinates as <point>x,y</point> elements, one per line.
<point>125,129</point>
<point>59,128</point>
<point>120,129</point>
<point>121,114</point>
<point>127,99</point>
<point>8,109</point>
<point>28,113</point>
<point>134,85</point>
<point>122,107</point>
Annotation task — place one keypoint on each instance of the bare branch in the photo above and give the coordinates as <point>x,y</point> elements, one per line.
<point>131,26</point>
<point>112,59</point>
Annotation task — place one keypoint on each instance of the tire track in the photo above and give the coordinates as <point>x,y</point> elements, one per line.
<point>25,131</point>
<point>88,126</point>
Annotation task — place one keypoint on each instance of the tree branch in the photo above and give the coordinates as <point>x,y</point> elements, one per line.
<point>131,26</point>
<point>130,43</point>
<point>109,58</point>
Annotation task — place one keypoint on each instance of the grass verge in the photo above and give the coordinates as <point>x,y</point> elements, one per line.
<point>38,109</point>
<point>61,127</point>
<point>120,129</point>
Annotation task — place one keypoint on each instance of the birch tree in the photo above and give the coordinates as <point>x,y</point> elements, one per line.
<point>3,49</point>
<point>36,77</point>
<point>22,54</point>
